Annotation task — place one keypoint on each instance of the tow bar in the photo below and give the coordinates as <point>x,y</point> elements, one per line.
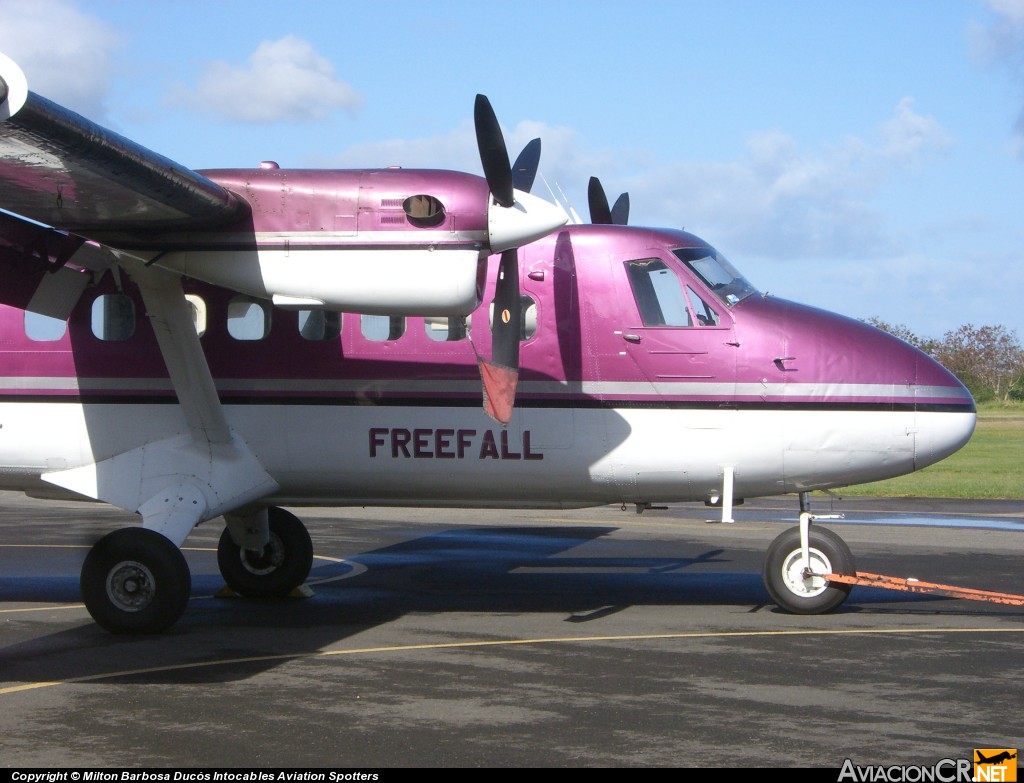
<point>911,585</point>
<point>907,585</point>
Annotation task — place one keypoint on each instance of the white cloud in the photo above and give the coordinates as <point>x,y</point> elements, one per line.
<point>777,201</point>
<point>561,151</point>
<point>1002,41</point>
<point>282,81</point>
<point>780,200</point>
<point>65,53</point>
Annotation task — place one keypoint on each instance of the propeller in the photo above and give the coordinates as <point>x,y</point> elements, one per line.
<point>524,170</point>
<point>508,306</point>
<point>599,211</point>
<point>514,218</point>
<point>500,375</point>
<point>620,212</point>
<point>493,154</point>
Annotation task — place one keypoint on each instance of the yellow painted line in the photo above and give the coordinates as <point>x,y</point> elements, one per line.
<point>494,643</point>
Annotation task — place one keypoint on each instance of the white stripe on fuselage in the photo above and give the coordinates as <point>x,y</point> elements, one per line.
<point>895,393</point>
<point>547,456</point>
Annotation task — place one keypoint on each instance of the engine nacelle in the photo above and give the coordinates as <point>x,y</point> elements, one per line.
<point>380,281</point>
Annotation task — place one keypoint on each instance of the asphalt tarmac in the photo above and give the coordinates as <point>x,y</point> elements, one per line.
<point>523,639</point>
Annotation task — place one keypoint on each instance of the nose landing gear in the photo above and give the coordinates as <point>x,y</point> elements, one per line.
<point>798,562</point>
<point>795,575</point>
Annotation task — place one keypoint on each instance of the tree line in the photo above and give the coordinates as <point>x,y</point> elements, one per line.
<point>988,360</point>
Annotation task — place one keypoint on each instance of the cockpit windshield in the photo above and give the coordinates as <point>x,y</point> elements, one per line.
<point>716,272</point>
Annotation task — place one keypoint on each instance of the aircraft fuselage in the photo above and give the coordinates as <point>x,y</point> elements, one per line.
<point>613,405</point>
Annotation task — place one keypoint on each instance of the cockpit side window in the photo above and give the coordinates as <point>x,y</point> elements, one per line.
<point>706,316</point>
<point>716,273</point>
<point>659,296</point>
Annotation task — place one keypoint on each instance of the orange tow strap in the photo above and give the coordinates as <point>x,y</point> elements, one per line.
<point>911,585</point>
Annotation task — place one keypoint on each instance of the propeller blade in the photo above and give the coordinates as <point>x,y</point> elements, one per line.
<point>500,376</point>
<point>493,154</point>
<point>620,212</point>
<point>599,211</point>
<point>507,312</point>
<point>524,170</point>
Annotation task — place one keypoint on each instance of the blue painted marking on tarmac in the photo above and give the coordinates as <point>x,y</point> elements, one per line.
<point>900,520</point>
<point>914,521</point>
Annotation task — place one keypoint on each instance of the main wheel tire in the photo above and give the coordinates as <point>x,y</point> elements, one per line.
<point>798,592</point>
<point>135,580</point>
<point>282,566</point>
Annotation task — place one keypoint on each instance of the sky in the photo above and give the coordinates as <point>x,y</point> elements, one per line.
<point>862,156</point>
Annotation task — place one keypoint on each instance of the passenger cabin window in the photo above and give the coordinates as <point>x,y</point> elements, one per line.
<point>716,273</point>
<point>248,318</point>
<point>527,320</point>
<point>198,306</point>
<point>319,325</point>
<point>658,293</point>
<point>43,328</point>
<point>441,329</point>
<point>382,328</point>
<point>113,317</point>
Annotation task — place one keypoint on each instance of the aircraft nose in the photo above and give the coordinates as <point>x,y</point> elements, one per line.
<point>527,220</point>
<point>885,408</point>
<point>945,413</point>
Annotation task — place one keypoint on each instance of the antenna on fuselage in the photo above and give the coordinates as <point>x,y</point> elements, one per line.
<point>562,201</point>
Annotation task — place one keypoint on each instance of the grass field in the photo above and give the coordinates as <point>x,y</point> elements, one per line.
<point>991,465</point>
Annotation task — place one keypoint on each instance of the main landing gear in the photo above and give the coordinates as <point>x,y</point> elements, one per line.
<point>136,580</point>
<point>797,562</point>
<point>281,566</point>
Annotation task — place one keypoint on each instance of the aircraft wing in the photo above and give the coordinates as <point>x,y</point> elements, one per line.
<point>60,169</point>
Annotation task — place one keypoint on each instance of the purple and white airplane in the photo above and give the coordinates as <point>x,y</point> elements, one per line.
<point>189,345</point>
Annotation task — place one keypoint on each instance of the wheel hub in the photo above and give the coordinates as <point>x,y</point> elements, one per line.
<point>266,561</point>
<point>804,579</point>
<point>130,586</point>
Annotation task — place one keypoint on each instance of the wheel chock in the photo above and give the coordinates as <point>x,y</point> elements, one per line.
<point>911,585</point>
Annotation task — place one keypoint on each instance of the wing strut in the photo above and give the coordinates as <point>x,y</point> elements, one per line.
<point>208,471</point>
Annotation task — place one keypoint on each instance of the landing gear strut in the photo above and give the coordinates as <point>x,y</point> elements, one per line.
<point>281,566</point>
<point>798,559</point>
<point>135,580</point>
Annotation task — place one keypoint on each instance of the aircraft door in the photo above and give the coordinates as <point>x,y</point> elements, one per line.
<point>667,361</point>
<point>681,343</point>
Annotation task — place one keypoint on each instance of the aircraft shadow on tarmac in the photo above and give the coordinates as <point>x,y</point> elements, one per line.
<point>483,569</point>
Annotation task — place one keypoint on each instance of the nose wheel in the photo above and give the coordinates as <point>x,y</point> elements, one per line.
<point>794,578</point>
<point>135,580</point>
